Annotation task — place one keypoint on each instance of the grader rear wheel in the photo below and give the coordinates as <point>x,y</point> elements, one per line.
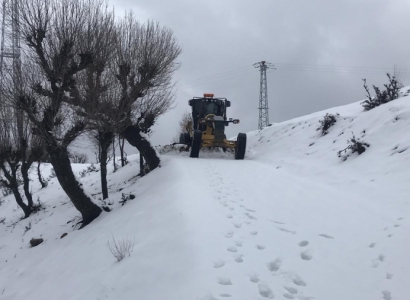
<point>196,143</point>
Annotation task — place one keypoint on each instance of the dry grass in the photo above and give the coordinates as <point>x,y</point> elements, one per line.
<point>121,248</point>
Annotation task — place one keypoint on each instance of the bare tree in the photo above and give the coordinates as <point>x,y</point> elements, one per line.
<point>54,32</point>
<point>123,94</point>
<point>143,67</point>
<point>18,151</point>
<point>185,123</point>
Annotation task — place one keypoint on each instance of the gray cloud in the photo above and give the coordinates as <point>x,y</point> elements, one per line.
<point>322,49</point>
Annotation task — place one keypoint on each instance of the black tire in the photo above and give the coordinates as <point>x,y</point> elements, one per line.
<point>240,146</point>
<point>196,143</point>
<point>187,139</point>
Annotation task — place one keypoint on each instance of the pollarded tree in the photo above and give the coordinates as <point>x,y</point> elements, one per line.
<point>145,60</point>
<point>94,93</point>
<point>18,151</point>
<point>53,32</point>
<point>126,88</point>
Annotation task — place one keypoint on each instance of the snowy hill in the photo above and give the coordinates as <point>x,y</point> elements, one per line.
<point>291,221</point>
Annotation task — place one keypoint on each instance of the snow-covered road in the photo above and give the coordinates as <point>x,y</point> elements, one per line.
<point>267,232</point>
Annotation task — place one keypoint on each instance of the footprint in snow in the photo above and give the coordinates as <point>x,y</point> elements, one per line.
<point>303,243</point>
<point>250,210</point>
<point>254,278</point>
<point>229,216</point>
<point>397,225</point>
<point>291,290</point>
<point>372,245</point>
<point>286,230</point>
<point>274,266</point>
<point>224,281</point>
<point>265,291</point>
<point>219,264</point>
<point>239,258</point>
<point>288,296</point>
<point>239,243</point>
<point>232,249</point>
<point>260,247</point>
<point>386,295</point>
<point>306,255</point>
<point>229,234</point>
<point>250,216</point>
<point>253,232</point>
<point>277,222</point>
<point>389,275</point>
<point>237,225</point>
<point>225,295</point>
<point>299,281</point>
<point>326,236</point>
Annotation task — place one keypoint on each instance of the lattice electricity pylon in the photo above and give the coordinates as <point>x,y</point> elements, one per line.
<point>10,52</point>
<point>263,94</point>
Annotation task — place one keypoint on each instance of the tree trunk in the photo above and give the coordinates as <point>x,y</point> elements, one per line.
<point>13,186</point>
<point>133,135</point>
<point>40,178</point>
<point>104,140</point>
<point>25,166</point>
<point>141,165</point>
<point>113,154</point>
<point>61,163</point>
<point>121,144</point>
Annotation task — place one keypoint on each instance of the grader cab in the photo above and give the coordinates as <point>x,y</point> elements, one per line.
<point>207,130</point>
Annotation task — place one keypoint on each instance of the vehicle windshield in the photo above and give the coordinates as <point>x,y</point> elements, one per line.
<point>212,108</point>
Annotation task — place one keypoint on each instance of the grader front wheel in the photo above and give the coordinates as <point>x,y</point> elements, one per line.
<point>240,146</point>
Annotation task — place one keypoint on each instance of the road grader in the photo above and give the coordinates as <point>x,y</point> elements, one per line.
<point>207,127</point>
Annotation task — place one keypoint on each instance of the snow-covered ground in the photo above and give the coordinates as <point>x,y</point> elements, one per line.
<point>291,221</point>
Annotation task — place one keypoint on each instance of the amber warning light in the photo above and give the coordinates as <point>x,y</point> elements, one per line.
<point>207,95</point>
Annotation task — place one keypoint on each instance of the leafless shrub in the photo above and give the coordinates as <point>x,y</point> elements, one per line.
<point>355,145</point>
<point>78,158</point>
<point>121,248</point>
<point>389,94</point>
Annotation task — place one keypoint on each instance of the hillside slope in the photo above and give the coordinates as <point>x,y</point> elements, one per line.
<point>291,221</point>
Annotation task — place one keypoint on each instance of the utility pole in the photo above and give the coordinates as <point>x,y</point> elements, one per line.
<point>263,94</point>
<point>10,60</point>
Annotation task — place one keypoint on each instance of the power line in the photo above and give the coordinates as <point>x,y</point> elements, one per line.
<point>245,70</point>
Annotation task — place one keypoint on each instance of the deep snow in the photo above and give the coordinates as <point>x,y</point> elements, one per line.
<point>291,221</point>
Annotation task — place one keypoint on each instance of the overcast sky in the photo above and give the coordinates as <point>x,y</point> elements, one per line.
<point>321,49</point>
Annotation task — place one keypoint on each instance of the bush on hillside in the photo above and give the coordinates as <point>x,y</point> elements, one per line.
<point>126,197</point>
<point>6,191</point>
<point>78,158</point>
<point>355,145</point>
<point>90,168</point>
<point>37,207</point>
<point>326,123</point>
<point>390,93</point>
<point>121,248</point>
